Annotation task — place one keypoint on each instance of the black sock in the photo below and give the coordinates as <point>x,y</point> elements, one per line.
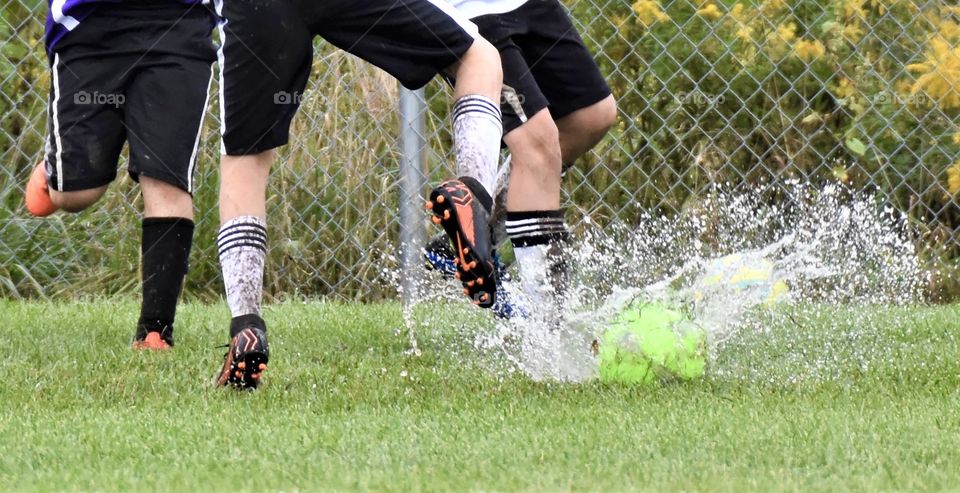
<point>165,254</point>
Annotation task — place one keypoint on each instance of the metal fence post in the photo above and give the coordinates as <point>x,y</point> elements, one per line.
<point>413,141</point>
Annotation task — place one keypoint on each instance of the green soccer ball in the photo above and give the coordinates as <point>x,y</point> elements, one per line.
<point>651,342</point>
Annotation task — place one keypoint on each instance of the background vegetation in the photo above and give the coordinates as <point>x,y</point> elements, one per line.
<point>738,93</point>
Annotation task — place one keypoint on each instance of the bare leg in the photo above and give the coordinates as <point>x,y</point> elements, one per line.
<point>583,129</point>
<point>535,174</point>
<point>161,199</point>
<point>243,185</point>
<point>242,242</point>
<point>477,127</point>
<point>478,72</point>
<point>78,200</point>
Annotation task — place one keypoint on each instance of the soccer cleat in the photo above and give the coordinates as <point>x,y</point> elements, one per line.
<point>246,359</point>
<point>153,341</point>
<point>462,208</point>
<point>37,196</point>
<point>439,257</point>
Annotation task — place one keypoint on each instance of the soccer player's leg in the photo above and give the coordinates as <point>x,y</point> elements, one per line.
<point>584,128</point>
<point>265,59</point>
<point>84,131</point>
<point>534,219</point>
<point>174,72</point>
<point>568,76</point>
<point>414,40</point>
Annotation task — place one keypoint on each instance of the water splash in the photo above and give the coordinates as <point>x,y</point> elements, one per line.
<point>740,264</point>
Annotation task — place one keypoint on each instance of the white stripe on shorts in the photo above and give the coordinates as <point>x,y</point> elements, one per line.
<point>218,6</point>
<point>56,121</point>
<point>196,143</point>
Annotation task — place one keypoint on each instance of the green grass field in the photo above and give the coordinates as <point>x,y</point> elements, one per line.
<point>345,408</point>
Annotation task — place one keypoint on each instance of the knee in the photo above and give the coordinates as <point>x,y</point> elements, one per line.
<point>539,146</point>
<point>481,62</point>
<point>77,201</point>
<point>483,52</point>
<point>603,116</point>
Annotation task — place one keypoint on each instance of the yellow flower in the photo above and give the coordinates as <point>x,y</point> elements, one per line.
<point>738,12</point>
<point>853,32</point>
<point>772,6</point>
<point>853,9</point>
<point>745,33</point>
<point>881,8</point>
<point>939,74</point>
<point>809,50</point>
<point>777,43</point>
<point>844,89</point>
<point>787,32</point>
<point>953,178</point>
<point>956,138</point>
<point>949,31</point>
<point>903,87</point>
<point>649,12</point>
<point>710,11</point>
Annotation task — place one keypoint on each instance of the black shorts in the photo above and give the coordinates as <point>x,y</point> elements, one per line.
<point>266,55</point>
<point>136,73</point>
<point>545,63</point>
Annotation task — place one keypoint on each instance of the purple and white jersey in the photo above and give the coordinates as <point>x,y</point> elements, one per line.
<point>65,15</point>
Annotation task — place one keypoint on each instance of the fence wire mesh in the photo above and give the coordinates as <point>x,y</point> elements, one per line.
<point>740,93</point>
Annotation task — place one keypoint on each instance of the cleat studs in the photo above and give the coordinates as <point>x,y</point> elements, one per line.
<point>466,292</point>
<point>456,275</point>
<point>263,366</point>
<point>446,214</point>
<point>441,199</point>
<point>471,283</point>
<point>429,205</point>
<point>480,281</point>
<point>435,219</point>
<point>255,376</point>
<point>238,374</point>
<point>473,265</point>
<point>466,251</point>
<point>484,297</point>
<point>242,365</point>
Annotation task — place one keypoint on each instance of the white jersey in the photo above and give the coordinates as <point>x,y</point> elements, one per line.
<point>476,8</point>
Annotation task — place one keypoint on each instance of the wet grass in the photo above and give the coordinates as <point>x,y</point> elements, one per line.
<point>345,408</point>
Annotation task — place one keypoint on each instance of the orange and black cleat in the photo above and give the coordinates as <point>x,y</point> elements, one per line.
<point>462,207</point>
<point>37,196</point>
<point>246,359</point>
<point>152,341</point>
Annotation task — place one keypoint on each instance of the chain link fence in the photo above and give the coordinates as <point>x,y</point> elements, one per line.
<point>740,93</point>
